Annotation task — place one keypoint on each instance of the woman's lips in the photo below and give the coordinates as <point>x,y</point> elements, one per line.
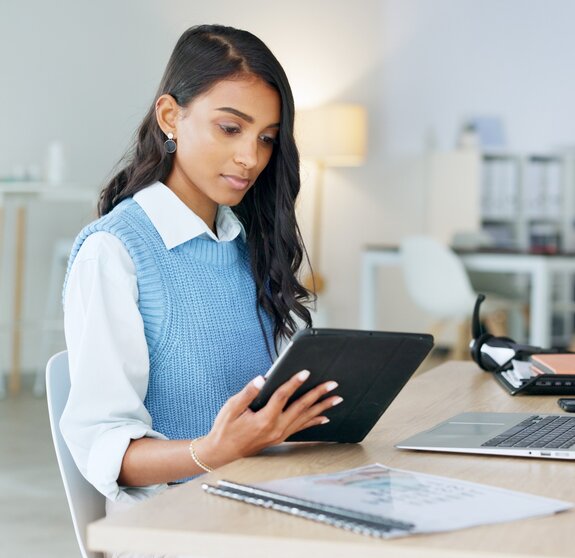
<point>236,182</point>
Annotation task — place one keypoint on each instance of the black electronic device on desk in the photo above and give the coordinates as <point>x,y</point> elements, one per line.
<point>544,384</point>
<point>520,369</point>
<point>371,367</point>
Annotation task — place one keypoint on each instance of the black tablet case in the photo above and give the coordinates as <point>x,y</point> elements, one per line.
<point>370,367</point>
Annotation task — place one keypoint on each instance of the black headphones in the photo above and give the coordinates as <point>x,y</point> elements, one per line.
<point>495,354</point>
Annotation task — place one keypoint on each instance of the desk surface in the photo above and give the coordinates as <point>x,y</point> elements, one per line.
<point>374,248</point>
<point>186,520</point>
<point>541,268</point>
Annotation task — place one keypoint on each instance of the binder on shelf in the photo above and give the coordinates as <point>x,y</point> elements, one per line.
<point>499,196</point>
<point>543,187</point>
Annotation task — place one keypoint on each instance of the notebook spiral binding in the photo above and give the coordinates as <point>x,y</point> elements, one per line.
<point>356,522</point>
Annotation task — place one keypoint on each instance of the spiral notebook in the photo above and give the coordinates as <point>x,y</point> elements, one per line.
<point>363,523</point>
<point>383,502</point>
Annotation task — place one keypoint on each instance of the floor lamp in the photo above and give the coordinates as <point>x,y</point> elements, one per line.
<point>331,136</point>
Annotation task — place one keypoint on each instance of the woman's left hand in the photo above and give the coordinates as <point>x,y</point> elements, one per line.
<point>239,432</point>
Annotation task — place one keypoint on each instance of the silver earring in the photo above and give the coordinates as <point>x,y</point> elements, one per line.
<point>170,145</point>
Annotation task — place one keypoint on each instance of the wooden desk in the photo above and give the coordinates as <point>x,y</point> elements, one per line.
<point>14,201</point>
<point>540,269</point>
<point>185,520</point>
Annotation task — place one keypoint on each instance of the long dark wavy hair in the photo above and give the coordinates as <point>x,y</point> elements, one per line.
<point>203,56</point>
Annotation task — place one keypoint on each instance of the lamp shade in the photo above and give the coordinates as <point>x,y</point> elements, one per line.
<point>333,134</point>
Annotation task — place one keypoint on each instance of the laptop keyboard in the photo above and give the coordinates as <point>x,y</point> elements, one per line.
<point>537,432</point>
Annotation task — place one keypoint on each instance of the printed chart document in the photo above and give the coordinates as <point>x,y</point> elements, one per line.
<point>385,502</point>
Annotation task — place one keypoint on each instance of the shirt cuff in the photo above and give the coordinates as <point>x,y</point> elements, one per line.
<point>105,462</point>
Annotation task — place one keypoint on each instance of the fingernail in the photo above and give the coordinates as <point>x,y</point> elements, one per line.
<point>337,401</point>
<point>259,382</point>
<point>303,375</point>
<point>331,386</point>
<point>325,420</point>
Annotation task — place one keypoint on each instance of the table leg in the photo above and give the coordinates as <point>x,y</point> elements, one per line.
<point>367,296</point>
<point>15,380</point>
<point>540,321</point>
<point>565,298</point>
<point>2,262</point>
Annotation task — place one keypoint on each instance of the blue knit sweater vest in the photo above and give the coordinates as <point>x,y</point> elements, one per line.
<point>198,303</point>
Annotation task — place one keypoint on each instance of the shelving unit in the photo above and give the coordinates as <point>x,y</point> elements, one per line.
<point>528,203</point>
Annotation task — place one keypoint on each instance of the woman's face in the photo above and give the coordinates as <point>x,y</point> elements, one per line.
<point>225,138</point>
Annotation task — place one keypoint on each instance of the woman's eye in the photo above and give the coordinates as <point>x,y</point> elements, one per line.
<point>230,130</point>
<point>269,140</point>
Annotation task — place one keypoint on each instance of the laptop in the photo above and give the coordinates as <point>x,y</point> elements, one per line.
<point>514,434</point>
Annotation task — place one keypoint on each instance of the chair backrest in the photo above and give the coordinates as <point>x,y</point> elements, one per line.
<point>85,502</point>
<point>435,277</point>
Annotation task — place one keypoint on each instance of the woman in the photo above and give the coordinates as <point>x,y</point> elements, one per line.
<point>175,302</point>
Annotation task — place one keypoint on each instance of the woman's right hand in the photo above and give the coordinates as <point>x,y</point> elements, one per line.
<point>239,432</point>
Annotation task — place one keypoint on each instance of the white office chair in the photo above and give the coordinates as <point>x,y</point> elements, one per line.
<point>85,502</point>
<point>438,283</point>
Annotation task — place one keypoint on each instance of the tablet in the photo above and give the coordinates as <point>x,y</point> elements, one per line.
<point>370,367</point>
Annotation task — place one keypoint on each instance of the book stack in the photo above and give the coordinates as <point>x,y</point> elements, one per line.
<point>541,374</point>
<point>555,363</point>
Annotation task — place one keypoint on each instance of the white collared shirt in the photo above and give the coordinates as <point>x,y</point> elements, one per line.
<point>107,350</point>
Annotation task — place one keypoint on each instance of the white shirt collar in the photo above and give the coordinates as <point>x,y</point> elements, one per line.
<point>177,223</point>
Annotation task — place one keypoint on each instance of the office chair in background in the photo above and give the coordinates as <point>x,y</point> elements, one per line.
<point>85,502</point>
<point>438,284</point>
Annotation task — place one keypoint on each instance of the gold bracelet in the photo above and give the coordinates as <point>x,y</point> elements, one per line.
<point>196,459</point>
